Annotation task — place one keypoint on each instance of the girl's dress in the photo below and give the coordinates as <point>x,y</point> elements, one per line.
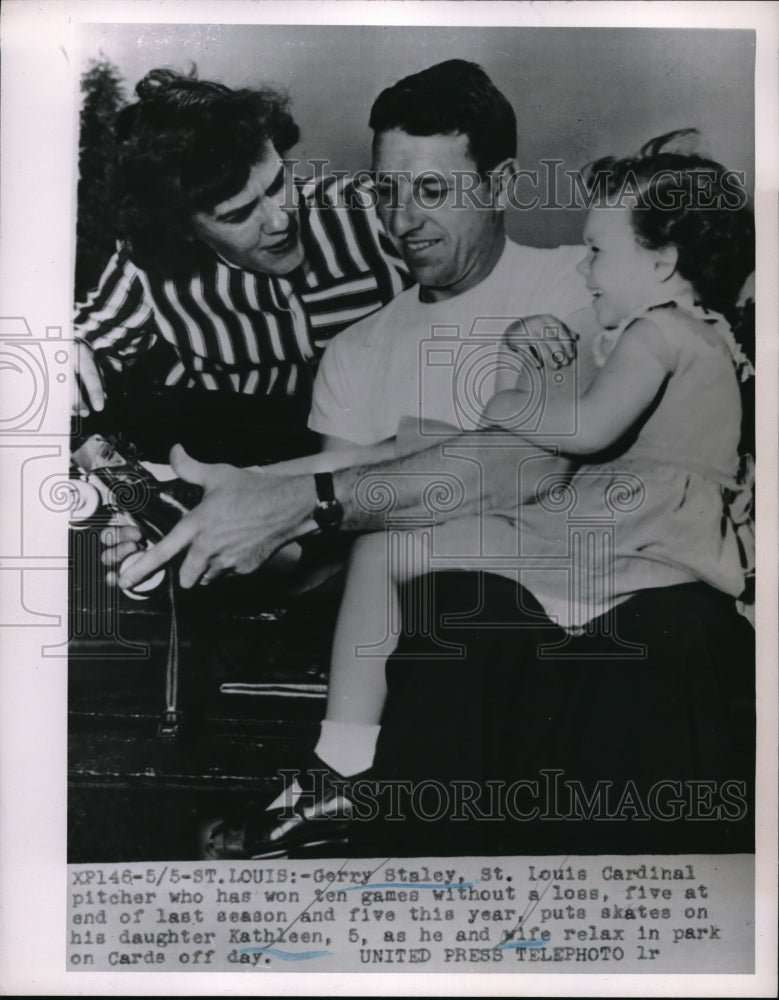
<point>670,508</point>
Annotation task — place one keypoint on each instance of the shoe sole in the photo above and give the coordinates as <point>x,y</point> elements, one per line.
<point>280,852</point>
<point>298,848</point>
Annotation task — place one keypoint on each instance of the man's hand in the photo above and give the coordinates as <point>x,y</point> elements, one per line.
<point>88,388</point>
<point>242,520</point>
<point>546,339</point>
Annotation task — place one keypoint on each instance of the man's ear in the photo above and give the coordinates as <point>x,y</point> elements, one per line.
<point>502,178</point>
<point>666,259</point>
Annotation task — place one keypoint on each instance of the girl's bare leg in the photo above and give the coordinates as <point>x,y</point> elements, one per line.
<point>365,636</point>
<point>367,630</point>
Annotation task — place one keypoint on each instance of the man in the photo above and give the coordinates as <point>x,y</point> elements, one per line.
<point>535,707</point>
<point>243,271</point>
<point>444,156</point>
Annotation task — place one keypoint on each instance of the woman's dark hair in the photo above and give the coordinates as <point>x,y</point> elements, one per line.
<point>185,146</point>
<point>687,201</point>
<point>453,98</point>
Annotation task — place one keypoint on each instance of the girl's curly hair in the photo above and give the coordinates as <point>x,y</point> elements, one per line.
<point>685,200</point>
<point>185,146</point>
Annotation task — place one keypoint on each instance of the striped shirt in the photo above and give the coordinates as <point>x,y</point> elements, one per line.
<point>243,331</point>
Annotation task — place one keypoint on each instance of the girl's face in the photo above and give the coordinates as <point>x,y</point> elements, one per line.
<point>622,275</point>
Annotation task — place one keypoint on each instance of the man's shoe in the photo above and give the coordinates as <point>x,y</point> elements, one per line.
<point>319,819</point>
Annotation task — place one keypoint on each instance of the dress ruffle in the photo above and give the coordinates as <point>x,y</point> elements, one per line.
<point>605,342</point>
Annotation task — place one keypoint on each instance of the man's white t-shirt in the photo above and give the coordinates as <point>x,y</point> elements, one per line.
<point>437,361</point>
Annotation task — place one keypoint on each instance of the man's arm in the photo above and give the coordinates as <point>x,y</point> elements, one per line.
<point>336,453</point>
<point>245,517</point>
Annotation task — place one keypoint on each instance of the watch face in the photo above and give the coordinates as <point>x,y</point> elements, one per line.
<point>328,514</point>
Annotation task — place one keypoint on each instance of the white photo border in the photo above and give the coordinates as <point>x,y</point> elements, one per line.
<point>38,131</point>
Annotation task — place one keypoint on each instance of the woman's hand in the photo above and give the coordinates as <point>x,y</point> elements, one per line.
<point>88,389</point>
<point>119,542</point>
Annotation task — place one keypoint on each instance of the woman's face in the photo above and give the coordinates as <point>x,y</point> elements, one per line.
<point>257,229</point>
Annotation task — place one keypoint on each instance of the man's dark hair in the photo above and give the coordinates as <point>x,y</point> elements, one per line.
<point>455,97</point>
<point>183,147</point>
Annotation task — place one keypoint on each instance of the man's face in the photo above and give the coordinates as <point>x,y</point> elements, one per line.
<point>449,243</point>
<point>257,229</point>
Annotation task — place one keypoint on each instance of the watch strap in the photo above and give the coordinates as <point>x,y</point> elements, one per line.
<point>325,490</point>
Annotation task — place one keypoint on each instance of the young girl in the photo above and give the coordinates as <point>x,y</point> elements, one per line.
<point>669,244</point>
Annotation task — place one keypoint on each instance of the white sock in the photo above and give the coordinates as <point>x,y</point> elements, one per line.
<point>347,747</point>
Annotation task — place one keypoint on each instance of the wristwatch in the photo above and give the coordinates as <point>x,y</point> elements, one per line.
<point>328,512</point>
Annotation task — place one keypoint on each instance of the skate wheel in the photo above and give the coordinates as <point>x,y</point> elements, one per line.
<point>86,502</point>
